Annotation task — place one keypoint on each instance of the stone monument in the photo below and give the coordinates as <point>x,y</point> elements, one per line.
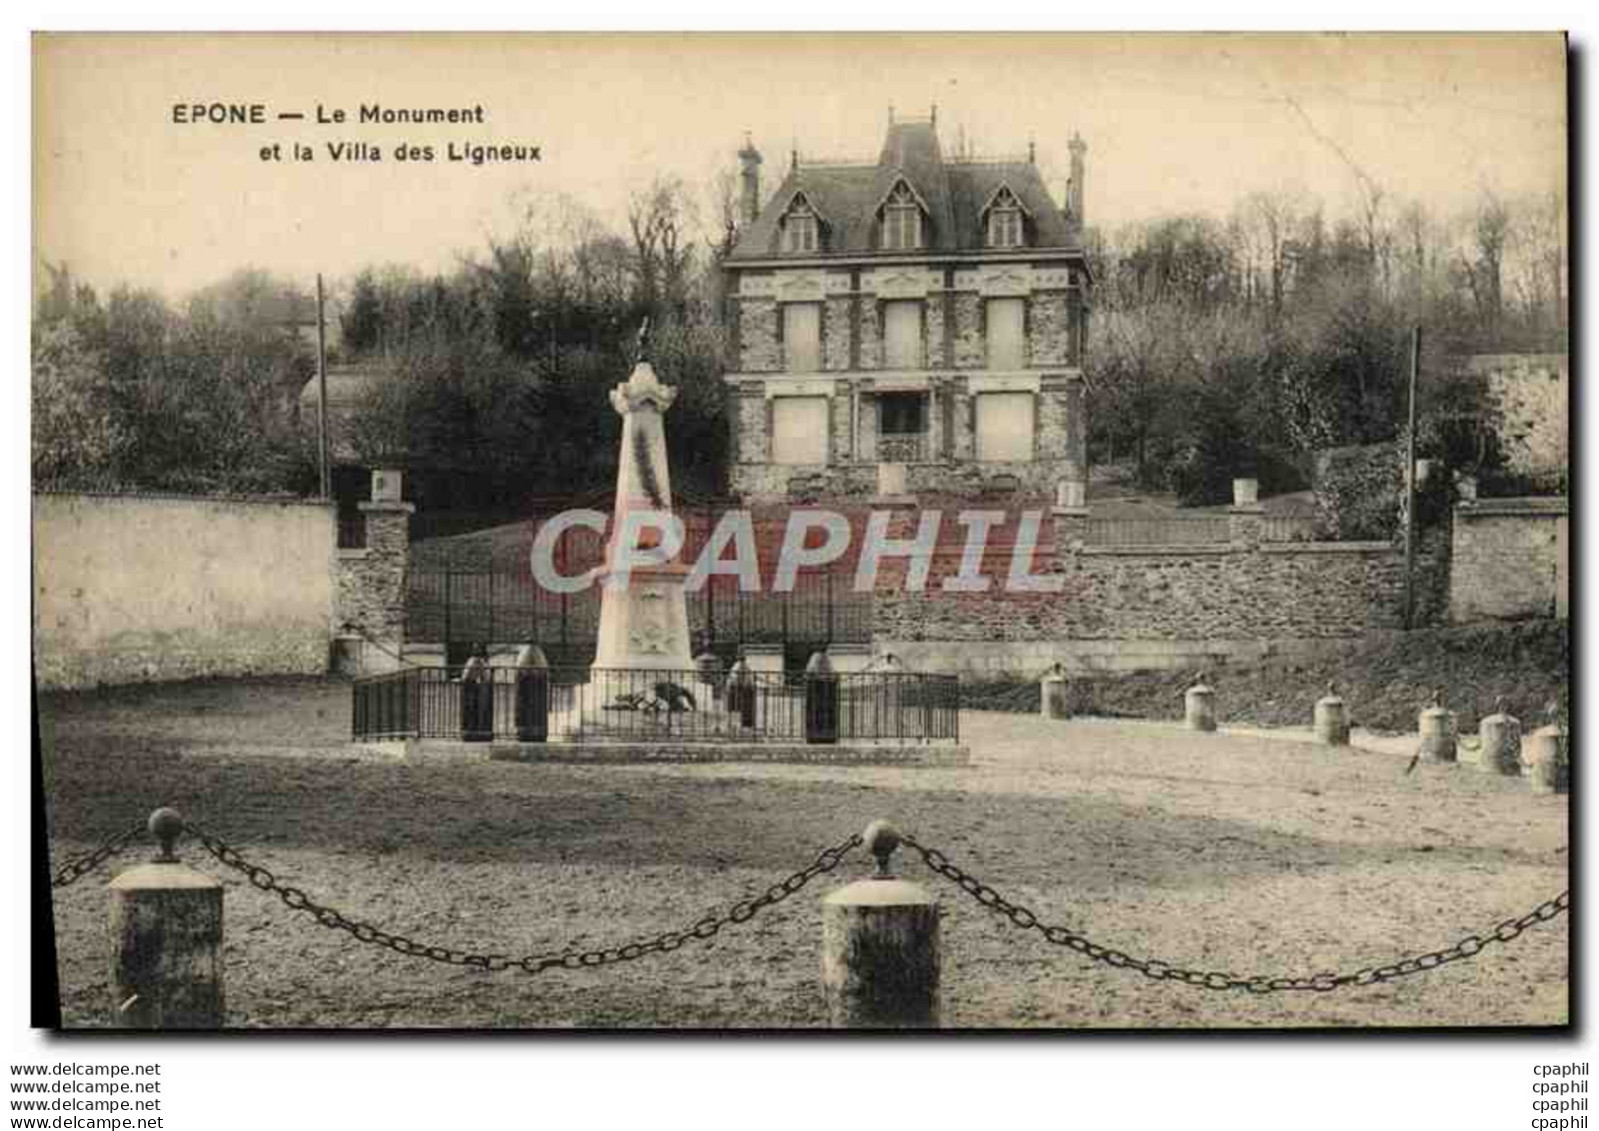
<point>643,615</point>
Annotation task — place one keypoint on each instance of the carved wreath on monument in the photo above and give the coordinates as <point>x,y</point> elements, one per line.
<point>652,632</point>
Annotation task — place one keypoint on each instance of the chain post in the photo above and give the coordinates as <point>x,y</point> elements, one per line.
<point>880,947</point>
<point>166,934</point>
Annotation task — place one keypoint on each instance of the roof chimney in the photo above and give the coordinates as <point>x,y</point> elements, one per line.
<point>1074,188</point>
<point>749,201</point>
<point>933,117</point>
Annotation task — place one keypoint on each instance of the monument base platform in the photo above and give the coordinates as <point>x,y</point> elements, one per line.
<point>638,753</point>
<point>852,754</point>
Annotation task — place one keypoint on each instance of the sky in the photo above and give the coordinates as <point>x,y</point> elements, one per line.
<point>1174,123</point>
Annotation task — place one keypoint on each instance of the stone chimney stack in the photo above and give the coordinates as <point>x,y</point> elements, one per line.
<point>1074,188</point>
<point>749,159</point>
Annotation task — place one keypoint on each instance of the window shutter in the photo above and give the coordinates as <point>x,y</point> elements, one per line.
<point>902,334</point>
<point>802,336</point>
<point>799,430</point>
<point>1007,337</point>
<point>1005,426</point>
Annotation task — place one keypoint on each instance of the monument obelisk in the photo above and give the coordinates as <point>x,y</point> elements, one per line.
<point>643,614</point>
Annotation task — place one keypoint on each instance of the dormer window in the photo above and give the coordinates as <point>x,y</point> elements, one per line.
<point>902,220</point>
<point>1005,220</point>
<point>800,234</point>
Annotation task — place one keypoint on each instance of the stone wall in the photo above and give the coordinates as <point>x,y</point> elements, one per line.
<point>136,588</point>
<point>749,427</point>
<point>870,354</point>
<point>970,350</point>
<point>759,348</point>
<point>1511,559</point>
<point>1115,607</point>
<point>1049,337</point>
<point>836,317</point>
<point>933,345</point>
<point>1063,429</point>
<point>1226,592</point>
<point>1029,658</point>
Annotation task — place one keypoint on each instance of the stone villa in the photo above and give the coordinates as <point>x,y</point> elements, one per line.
<point>914,323</point>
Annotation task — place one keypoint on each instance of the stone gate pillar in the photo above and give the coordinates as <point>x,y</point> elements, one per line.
<point>371,580</point>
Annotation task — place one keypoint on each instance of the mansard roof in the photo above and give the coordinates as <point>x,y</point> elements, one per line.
<point>954,194</point>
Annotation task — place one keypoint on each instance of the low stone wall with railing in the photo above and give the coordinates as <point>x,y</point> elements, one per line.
<point>1222,585</point>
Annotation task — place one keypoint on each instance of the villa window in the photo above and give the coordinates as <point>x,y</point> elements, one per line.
<point>802,336</point>
<point>902,334</point>
<point>799,430</point>
<point>1005,427</point>
<point>902,220</point>
<point>1005,221</point>
<point>902,427</point>
<point>1007,341</point>
<point>800,234</point>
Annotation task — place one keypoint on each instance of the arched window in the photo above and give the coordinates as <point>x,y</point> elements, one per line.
<point>800,227</point>
<point>1005,220</point>
<point>902,219</point>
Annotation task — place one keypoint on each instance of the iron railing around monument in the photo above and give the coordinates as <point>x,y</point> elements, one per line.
<point>587,705</point>
<point>503,606</point>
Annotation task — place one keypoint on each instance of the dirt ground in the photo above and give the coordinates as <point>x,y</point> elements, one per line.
<point>1217,852</point>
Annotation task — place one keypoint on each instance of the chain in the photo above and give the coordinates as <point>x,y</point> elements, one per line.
<point>1154,968</point>
<point>571,959</point>
<point>74,870</point>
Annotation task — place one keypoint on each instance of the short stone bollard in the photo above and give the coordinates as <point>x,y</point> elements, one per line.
<point>1551,765</point>
<point>821,701</point>
<point>1437,727</point>
<point>1500,735</point>
<point>880,948</point>
<point>532,695</point>
<point>1330,720</point>
<point>1199,707</point>
<point>708,667</point>
<point>1052,694</point>
<point>166,935</point>
<point>741,693</point>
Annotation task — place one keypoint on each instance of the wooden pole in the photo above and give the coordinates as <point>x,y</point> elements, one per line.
<point>1410,484</point>
<point>326,474</point>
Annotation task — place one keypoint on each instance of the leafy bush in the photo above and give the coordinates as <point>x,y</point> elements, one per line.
<point>1357,492</point>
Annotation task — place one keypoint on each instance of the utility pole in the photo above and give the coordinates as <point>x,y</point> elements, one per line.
<point>322,395</point>
<point>1410,484</point>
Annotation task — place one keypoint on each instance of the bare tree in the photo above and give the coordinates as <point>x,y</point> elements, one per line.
<point>660,219</point>
<point>1270,220</point>
<point>1483,269</point>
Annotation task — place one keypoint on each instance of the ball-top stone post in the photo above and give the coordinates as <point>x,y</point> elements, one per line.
<point>881,839</point>
<point>166,825</point>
